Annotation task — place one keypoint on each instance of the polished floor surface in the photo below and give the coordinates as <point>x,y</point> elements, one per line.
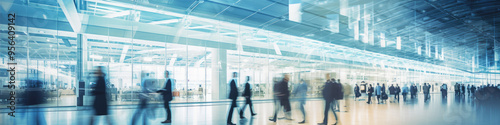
<point>452,111</point>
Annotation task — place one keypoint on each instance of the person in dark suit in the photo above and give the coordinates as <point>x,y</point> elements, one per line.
<point>413,91</point>
<point>167,96</point>
<point>328,95</point>
<point>356,92</point>
<point>233,95</point>
<point>392,91</point>
<point>397,91</point>
<point>426,89</point>
<point>282,93</point>
<point>247,93</point>
<point>370,92</point>
<point>100,104</point>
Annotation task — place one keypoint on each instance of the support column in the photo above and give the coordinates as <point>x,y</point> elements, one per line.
<point>219,74</point>
<point>81,66</point>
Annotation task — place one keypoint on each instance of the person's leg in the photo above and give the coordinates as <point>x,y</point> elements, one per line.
<point>378,99</point>
<point>242,110</point>
<point>327,106</point>
<point>169,112</point>
<point>277,107</point>
<point>302,109</point>
<point>335,114</point>
<point>231,108</point>
<point>250,105</point>
<point>369,98</point>
<point>138,111</point>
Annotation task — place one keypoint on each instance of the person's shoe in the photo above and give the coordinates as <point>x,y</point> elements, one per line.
<point>229,123</point>
<point>241,117</point>
<point>273,120</point>
<point>254,114</point>
<point>302,122</point>
<point>321,123</point>
<point>167,121</point>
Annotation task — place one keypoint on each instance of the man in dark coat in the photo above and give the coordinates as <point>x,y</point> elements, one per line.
<point>167,96</point>
<point>392,91</point>
<point>282,93</point>
<point>370,92</point>
<point>397,90</point>
<point>463,89</point>
<point>356,92</point>
<point>328,95</point>
<point>233,95</point>
<point>247,93</point>
<point>413,91</point>
<point>426,89</point>
<point>100,104</point>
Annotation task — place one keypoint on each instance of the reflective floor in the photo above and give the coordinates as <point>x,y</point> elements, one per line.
<point>453,111</point>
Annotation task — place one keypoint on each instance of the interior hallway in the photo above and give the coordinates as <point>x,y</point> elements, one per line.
<point>454,111</point>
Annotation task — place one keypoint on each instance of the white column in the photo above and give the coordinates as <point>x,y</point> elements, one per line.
<point>219,74</point>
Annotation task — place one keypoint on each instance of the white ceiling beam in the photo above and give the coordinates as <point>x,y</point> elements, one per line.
<point>166,21</point>
<point>124,53</point>
<point>69,9</point>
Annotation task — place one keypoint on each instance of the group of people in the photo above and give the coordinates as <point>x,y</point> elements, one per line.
<point>100,104</point>
<point>233,95</point>
<point>332,92</point>
<point>460,90</point>
<point>381,95</point>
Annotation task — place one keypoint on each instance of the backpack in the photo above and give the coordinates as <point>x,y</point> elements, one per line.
<point>384,96</point>
<point>337,89</point>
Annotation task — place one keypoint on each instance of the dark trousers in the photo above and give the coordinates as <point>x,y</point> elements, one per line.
<point>404,96</point>
<point>444,93</point>
<point>167,108</point>
<point>328,104</point>
<point>396,97</point>
<point>249,102</point>
<point>369,98</point>
<point>426,96</point>
<point>285,102</point>
<point>378,98</point>
<point>231,109</point>
<point>302,109</point>
<point>140,110</point>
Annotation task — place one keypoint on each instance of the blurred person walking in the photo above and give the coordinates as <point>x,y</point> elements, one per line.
<point>370,92</point>
<point>444,91</point>
<point>397,90</point>
<point>100,104</point>
<point>329,96</point>
<point>282,93</point>
<point>301,93</point>
<point>413,91</point>
<point>426,89</point>
<point>336,106</point>
<point>233,95</point>
<point>463,90</point>
<point>167,96</point>
<point>405,92</point>
<point>347,89</point>
<point>473,91</point>
<point>378,92</point>
<point>468,90</point>
<point>247,93</point>
<point>144,97</point>
<point>357,92</point>
<point>457,89</point>
<point>392,92</point>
